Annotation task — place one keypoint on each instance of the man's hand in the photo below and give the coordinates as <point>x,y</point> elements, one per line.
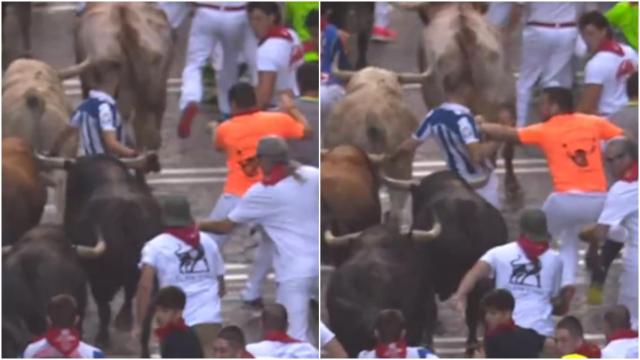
<point>286,102</point>
<point>458,303</point>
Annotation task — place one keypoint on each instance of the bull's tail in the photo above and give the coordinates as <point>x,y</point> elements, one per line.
<point>36,106</point>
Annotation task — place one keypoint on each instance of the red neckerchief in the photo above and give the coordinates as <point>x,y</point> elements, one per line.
<point>164,331</point>
<point>533,249</point>
<point>277,31</point>
<point>278,172</point>
<point>622,334</point>
<point>188,234</point>
<point>247,355</point>
<point>631,174</point>
<point>246,112</point>
<point>611,46</point>
<point>279,336</point>
<point>65,340</point>
<point>392,350</point>
<point>592,351</point>
<point>501,328</point>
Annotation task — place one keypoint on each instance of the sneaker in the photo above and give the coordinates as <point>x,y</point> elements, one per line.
<point>383,34</point>
<point>189,113</point>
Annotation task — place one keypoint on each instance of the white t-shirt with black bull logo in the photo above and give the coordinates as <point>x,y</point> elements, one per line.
<point>533,286</point>
<point>195,271</point>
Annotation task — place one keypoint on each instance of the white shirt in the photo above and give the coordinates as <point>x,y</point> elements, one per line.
<point>412,353</point>
<point>621,209</point>
<point>288,212</point>
<point>283,57</point>
<point>533,288</point>
<point>276,349</point>
<point>42,349</point>
<point>178,264</point>
<point>326,335</point>
<point>551,12</point>
<point>611,71</point>
<point>621,349</point>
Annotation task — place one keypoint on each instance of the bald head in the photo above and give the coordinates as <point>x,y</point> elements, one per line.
<point>617,318</point>
<point>274,317</point>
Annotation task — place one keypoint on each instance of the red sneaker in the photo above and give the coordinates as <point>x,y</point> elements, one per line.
<point>189,113</point>
<point>383,34</point>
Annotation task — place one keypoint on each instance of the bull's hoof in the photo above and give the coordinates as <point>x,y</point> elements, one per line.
<point>102,340</point>
<point>124,320</point>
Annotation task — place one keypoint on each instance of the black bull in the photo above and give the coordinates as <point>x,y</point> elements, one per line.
<point>407,274</point>
<point>102,194</point>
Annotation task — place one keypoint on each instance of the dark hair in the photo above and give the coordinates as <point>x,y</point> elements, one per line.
<point>170,297</point>
<point>311,21</point>
<point>561,97</point>
<point>62,310</point>
<point>618,317</point>
<point>572,325</point>
<point>307,77</point>
<point>632,86</point>
<point>269,8</point>
<point>498,299</point>
<point>243,95</point>
<point>274,317</point>
<point>597,19</point>
<point>234,336</point>
<point>389,324</point>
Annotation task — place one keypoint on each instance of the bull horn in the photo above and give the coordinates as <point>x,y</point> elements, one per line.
<point>377,158</point>
<point>428,235</point>
<point>6,249</point>
<point>413,78</point>
<point>344,75</point>
<point>74,70</point>
<point>92,252</point>
<point>340,240</point>
<point>52,162</point>
<point>399,184</point>
<point>137,162</point>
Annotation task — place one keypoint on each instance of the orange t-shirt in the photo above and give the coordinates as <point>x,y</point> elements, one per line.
<point>239,137</point>
<point>571,143</point>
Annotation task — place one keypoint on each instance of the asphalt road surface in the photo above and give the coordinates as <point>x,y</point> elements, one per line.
<point>189,167</point>
<point>531,170</point>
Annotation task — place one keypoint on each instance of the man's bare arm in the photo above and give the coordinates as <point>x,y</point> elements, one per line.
<point>500,133</point>
<point>217,226</point>
<point>590,98</point>
<point>265,88</point>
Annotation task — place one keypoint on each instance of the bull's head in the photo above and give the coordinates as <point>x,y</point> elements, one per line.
<point>371,75</point>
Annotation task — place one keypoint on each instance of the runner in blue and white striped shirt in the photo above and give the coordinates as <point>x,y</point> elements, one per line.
<point>100,126</point>
<point>453,126</point>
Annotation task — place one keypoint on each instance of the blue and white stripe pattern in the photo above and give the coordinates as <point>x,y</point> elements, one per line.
<point>453,126</point>
<point>96,114</point>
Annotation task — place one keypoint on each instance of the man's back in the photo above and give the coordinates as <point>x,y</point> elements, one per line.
<point>627,120</point>
<point>571,143</point>
<point>518,343</point>
<point>626,348</point>
<point>43,349</point>
<point>239,137</point>
<point>282,350</point>
<point>96,114</point>
<point>306,150</point>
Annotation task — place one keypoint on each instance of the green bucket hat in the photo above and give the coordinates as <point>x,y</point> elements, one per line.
<point>176,211</point>
<point>533,224</point>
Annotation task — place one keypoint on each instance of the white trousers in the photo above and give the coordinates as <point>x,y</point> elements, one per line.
<point>490,191</point>
<point>262,264</point>
<point>226,203</point>
<point>546,56</point>
<point>209,27</point>
<point>381,14</point>
<point>176,11</point>
<point>295,295</point>
<point>567,213</point>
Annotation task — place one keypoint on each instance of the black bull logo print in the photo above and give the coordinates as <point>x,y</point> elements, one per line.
<point>192,260</point>
<point>580,150</point>
<point>522,271</point>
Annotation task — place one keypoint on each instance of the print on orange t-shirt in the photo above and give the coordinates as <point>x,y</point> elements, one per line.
<point>571,143</point>
<point>239,137</point>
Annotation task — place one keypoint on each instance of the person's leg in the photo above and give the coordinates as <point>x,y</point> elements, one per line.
<point>199,48</point>
<point>207,334</point>
<point>262,263</point>
<point>381,30</point>
<point>226,203</point>
<point>558,69</point>
<point>530,69</point>
<point>490,191</point>
<point>231,36</point>
<point>294,295</point>
<point>249,49</point>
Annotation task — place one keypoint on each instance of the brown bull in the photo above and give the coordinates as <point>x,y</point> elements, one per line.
<point>132,46</point>
<point>349,195</point>
<point>374,116</point>
<point>23,191</point>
